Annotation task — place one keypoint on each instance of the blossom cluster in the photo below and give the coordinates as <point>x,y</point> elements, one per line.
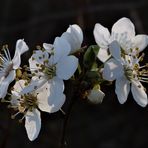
<point>39,86</point>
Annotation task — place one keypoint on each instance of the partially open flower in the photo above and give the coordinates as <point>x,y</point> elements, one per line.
<point>96,95</point>
<point>74,36</point>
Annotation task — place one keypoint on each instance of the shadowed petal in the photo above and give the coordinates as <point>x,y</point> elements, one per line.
<point>61,49</point>
<point>115,50</point>
<point>5,83</point>
<point>122,89</point>
<point>112,70</point>
<point>66,67</point>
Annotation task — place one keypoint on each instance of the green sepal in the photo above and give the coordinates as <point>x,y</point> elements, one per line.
<point>90,56</point>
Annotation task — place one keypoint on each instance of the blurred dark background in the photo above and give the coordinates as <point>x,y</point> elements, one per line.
<point>109,125</point>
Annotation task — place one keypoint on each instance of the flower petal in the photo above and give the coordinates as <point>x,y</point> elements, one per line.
<point>48,47</point>
<point>124,27</point>
<point>5,83</point>
<point>140,42</point>
<point>50,96</point>
<point>21,47</point>
<point>103,55</point>
<point>66,67</point>
<point>115,50</point>
<point>122,89</point>
<point>112,70</point>
<point>139,93</point>
<point>33,124</point>
<point>14,98</point>
<point>74,36</point>
<point>102,36</point>
<point>61,49</point>
<point>19,85</point>
<point>34,85</point>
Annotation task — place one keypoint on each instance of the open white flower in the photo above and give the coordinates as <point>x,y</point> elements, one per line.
<point>31,103</point>
<point>125,69</point>
<point>59,65</point>
<point>8,66</point>
<point>52,67</point>
<point>74,36</point>
<point>123,31</point>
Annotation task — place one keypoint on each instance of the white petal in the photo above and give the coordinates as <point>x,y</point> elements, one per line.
<point>21,47</point>
<point>50,96</point>
<point>48,47</point>
<point>34,84</point>
<point>112,70</point>
<point>102,36</point>
<point>33,124</point>
<point>5,83</point>
<point>122,89</point>
<point>140,42</point>
<point>115,50</point>
<point>19,85</point>
<point>124,26</point>
<point>61,49</point>
<point>103,55</point>
<point>74,36</point>
<point>14,98</point>
<point>66,67</point>
<point>139,93</point>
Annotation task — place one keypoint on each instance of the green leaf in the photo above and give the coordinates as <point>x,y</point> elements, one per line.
<point>95,49</point>
<point>90,56</point>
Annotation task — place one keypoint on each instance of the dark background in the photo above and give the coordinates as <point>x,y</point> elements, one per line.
<point>109,125</point>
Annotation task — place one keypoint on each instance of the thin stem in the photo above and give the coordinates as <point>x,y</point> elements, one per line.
<point>63,143</point>
<point>74,95</point>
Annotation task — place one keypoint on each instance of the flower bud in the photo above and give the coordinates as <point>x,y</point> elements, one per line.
<point>96,95</point>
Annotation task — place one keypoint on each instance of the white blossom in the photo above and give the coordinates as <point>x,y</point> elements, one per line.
<point>50,67</point>
<point>30,104</point>
<point>123,31</point>
<point>8,66</point>
<point>126,70</point>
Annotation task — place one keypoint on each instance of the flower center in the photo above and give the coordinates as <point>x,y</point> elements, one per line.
<point>49,71</point>
<point>27,102</point>
<point>45,70</point>
<point>129,73</point>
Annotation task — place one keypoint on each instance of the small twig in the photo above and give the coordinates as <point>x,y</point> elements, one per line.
<point>65,124</point>
<point>74,95</point>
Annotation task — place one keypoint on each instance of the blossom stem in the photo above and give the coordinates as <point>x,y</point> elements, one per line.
<point>63,143</point>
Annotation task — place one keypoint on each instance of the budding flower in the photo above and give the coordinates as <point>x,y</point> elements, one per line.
<point>96,95</point>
